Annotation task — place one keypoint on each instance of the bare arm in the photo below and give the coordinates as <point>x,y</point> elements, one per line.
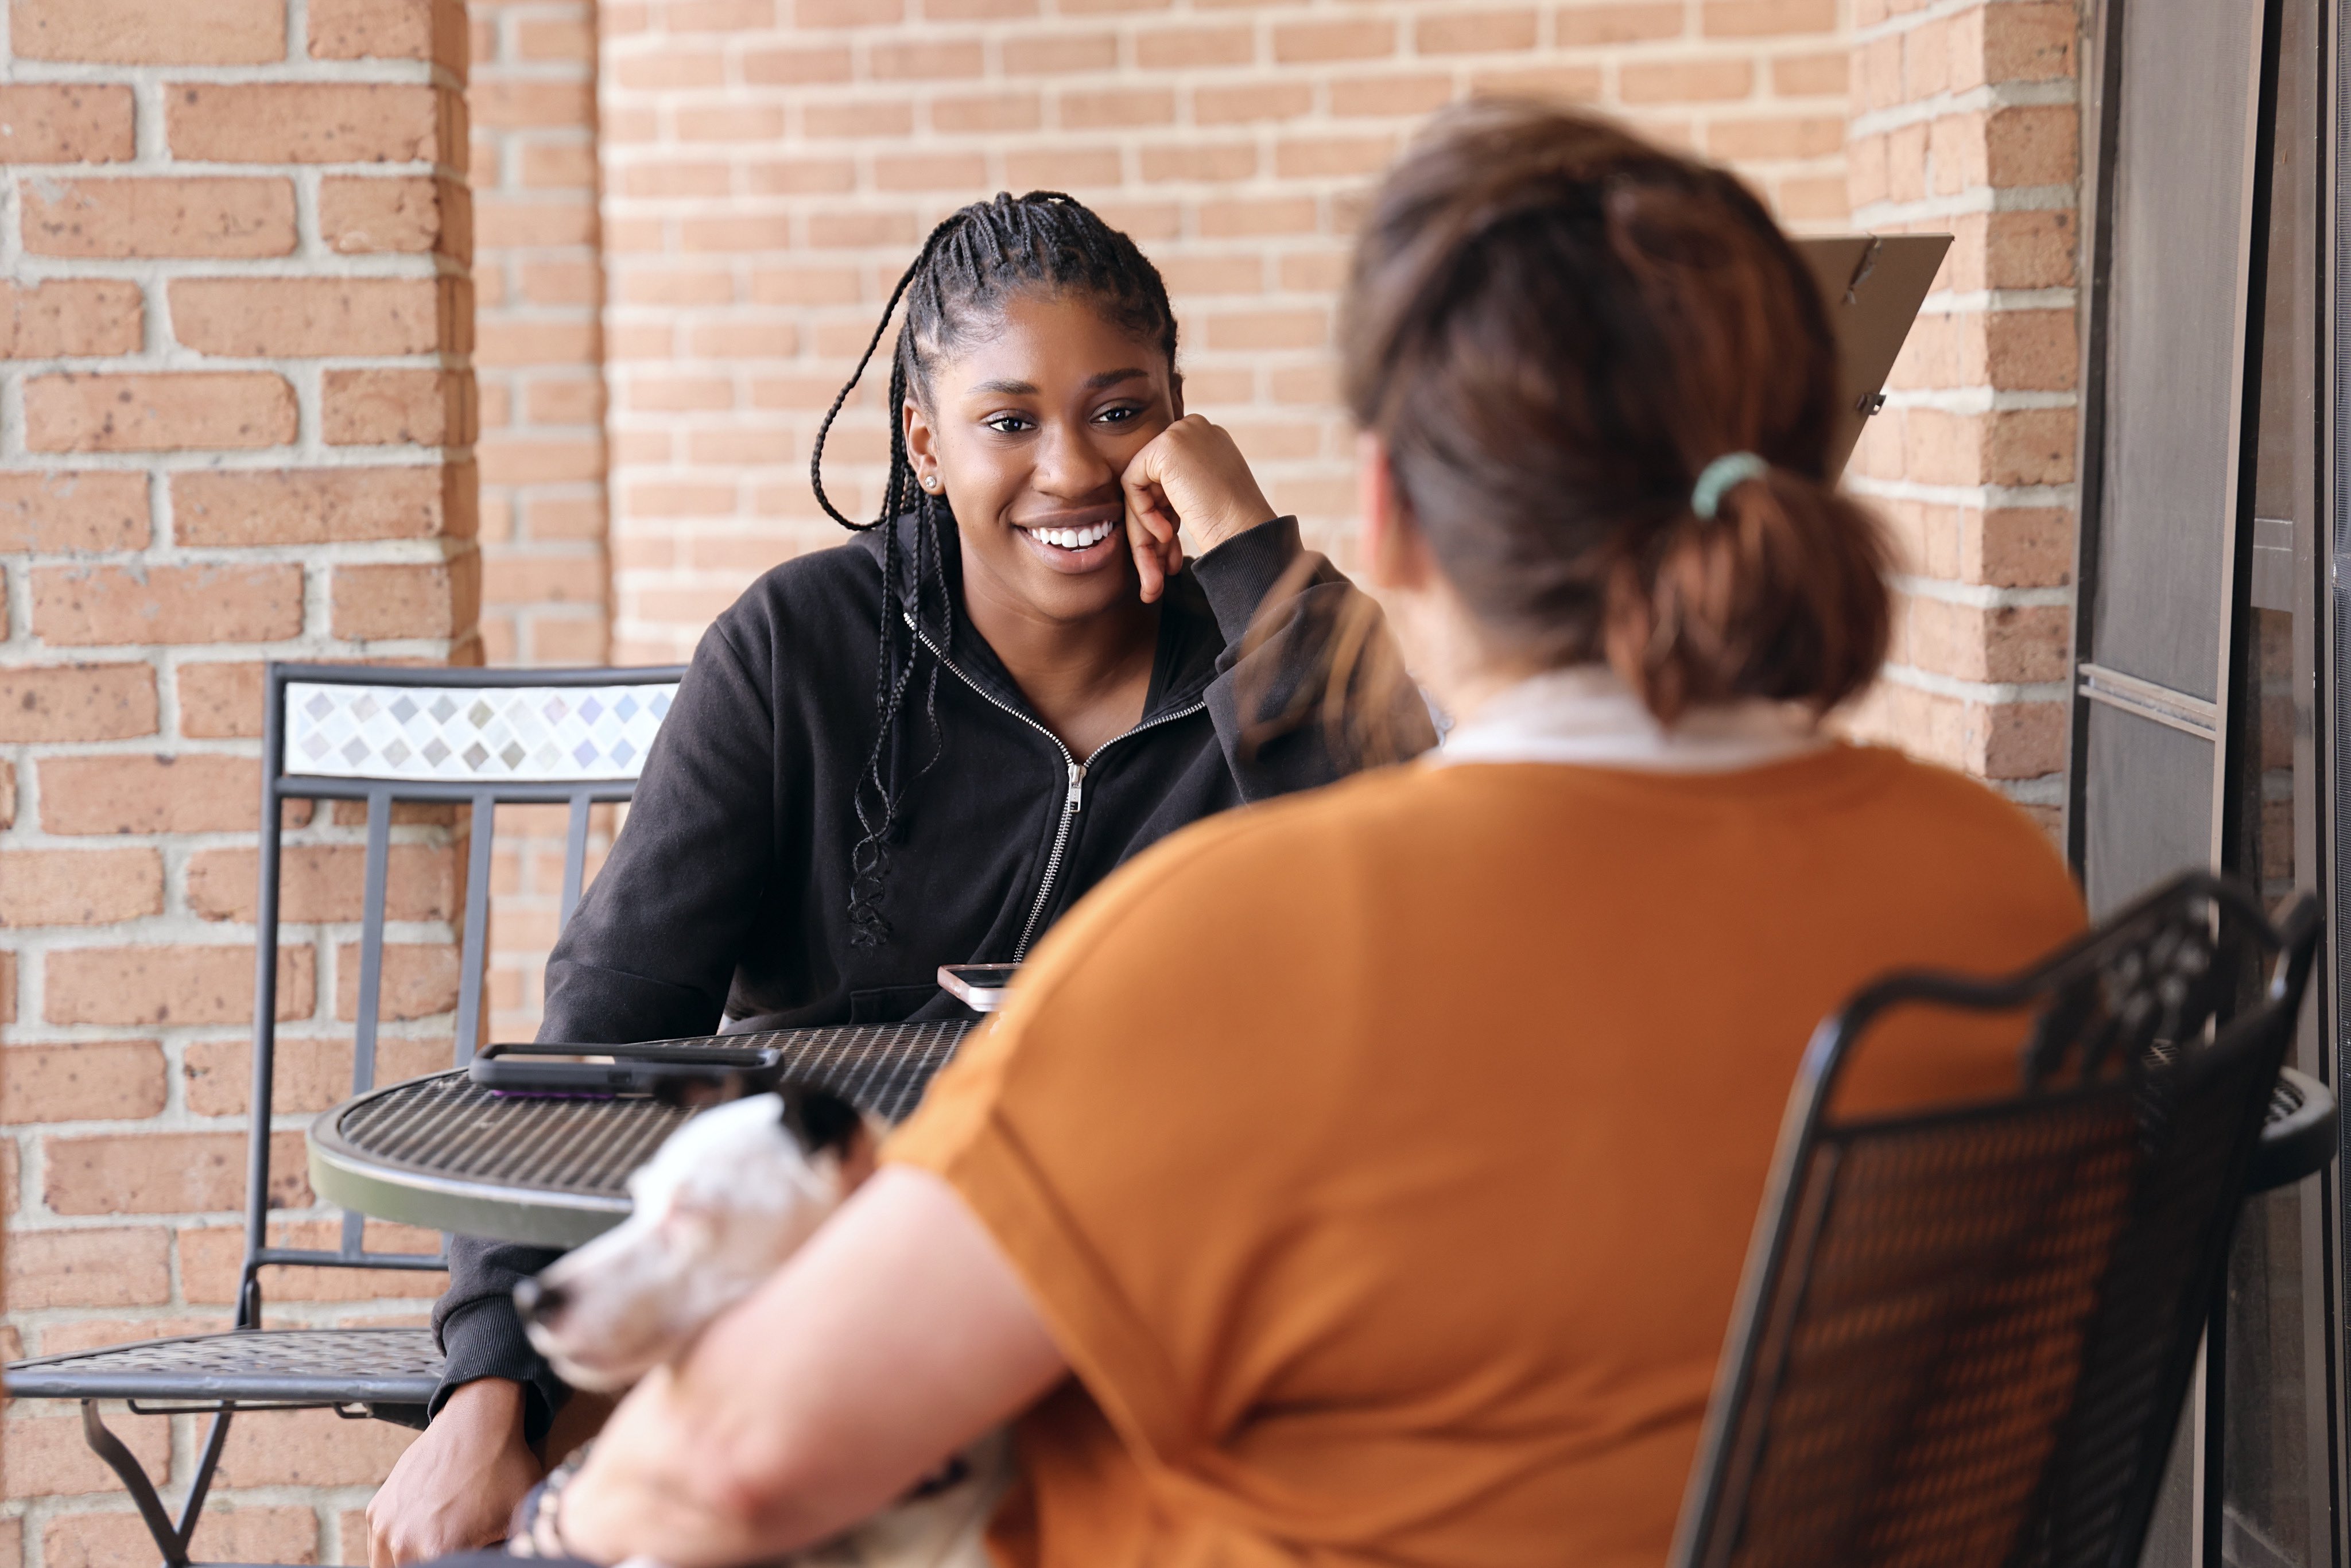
<point>897,1336</point>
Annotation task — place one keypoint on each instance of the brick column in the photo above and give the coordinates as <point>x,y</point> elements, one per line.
<point>539,276</point>
<point>1965,121</point>
<point>236,423</point>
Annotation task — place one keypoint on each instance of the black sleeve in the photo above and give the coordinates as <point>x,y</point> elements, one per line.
<point>480,1333</point>
<point>650,952</point>
<point>1286,613</point>
<point>648,955</point>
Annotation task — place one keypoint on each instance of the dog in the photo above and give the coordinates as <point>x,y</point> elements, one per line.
<point>725,1200</point>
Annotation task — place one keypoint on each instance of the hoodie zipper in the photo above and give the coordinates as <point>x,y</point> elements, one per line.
<point>1074,800</point>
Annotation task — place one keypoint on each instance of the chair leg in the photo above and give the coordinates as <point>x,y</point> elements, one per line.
<point>216,1439</point>
<point>124,1464</point>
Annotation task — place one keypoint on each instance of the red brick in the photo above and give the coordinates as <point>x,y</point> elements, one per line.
<point>978,112</point>
<point>112,604</point>
<point>89,1080</point>
<point>62,317</point>
<point>64,123</point>
<point>319,506</point>
<point>149,31</point>
<point>167,1173</point>
<point>310,1448</point>
<point>1383,95</point>
<point>1811,76</point>
<point>1314,42</point>
<point>1268,215</point>
<point>310,1074</point>
<point>2032,145</point>
<point>225,1531</point>
<point>125,793</point>
<point>220,700</point>
<point>1116,106</point>
<point>47,1455</point>
<point>1476,32</point>
<point>420,979</point>
<point>7,806</point>
<point>312,123</point>
<point>794,66</point>
<point>390,29</point>
<point>126,1267</point>
<point>254,316</point>
<point>127,218</point>
<point>1194,159</point>
<point>923,59</point>
<point>183,985</point>
<point>531,104</point>
<point>63,513</point>
<point>437,599</point>
<point>2031,447</point>
<point>1780,136</point>
<point>1685,81</point>
<point>401,213</point>
<point>1178,48</point>
<point>80,887</point>
<point>1057,52</point>
<point>387,407</point>
<point>158,412</point>
<point>1619,22</point>
<point>1324,156</point>
<point>76,702</point>
<point>1759,19</point>
<point>323,882</point>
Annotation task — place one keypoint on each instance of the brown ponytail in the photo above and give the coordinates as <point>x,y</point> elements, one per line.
<point>1555,327</point>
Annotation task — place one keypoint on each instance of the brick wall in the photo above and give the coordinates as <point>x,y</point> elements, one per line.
<point>236,420</point>
<point>771,165</point>
<point>1965,120</point>
<point>538,285</point>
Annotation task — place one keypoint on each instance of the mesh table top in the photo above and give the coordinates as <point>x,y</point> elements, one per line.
<point>444,1153</point>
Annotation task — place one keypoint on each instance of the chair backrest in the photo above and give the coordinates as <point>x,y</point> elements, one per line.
<point>1964,1335</point>
<point>475,739</point>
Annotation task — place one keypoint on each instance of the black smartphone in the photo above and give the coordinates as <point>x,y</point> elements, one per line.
<point>554,1068</point>
<point>980,987</point>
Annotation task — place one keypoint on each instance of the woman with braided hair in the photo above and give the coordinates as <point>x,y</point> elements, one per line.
<point>924,746</point>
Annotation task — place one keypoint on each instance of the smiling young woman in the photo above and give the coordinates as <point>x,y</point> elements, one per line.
<point>920,747</point>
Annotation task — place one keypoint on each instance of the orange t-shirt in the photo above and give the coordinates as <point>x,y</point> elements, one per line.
<point>1384,1160</point>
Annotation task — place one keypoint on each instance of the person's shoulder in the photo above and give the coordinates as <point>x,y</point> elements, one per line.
<point>1963,829</point>
<point>810,598</point>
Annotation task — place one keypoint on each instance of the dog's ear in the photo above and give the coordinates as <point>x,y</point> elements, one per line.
<point>700,1091</point>
<point>817,1118</point>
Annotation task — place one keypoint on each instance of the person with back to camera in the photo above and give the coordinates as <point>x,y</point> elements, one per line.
<point>921,747</point>
<point>1403,1224</point>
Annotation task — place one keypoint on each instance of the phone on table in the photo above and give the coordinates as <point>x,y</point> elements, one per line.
<point>555,1068</point>
<point>980,987</point>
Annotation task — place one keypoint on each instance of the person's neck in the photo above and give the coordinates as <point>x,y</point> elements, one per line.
<point>1088,679</point>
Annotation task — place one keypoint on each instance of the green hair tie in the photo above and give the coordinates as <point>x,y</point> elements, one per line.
<point>1720,477</point>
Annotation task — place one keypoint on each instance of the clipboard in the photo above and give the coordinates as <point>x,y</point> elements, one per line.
<point>1872,286</point>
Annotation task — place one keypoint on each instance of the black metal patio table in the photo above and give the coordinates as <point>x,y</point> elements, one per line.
<point>445,1153</point>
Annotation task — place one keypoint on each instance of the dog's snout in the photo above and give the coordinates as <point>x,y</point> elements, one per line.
<point>538,1303</point>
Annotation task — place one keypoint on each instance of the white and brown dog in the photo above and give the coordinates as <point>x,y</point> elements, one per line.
<point>731,1195</point>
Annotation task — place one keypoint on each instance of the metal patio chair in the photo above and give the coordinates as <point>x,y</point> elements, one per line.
<point>1964,1335</point>
<point>479,738</point>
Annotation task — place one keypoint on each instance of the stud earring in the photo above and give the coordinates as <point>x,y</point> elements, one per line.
<point>930,481</point>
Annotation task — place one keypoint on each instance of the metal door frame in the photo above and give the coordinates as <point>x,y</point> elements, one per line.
<point>2222,721</point>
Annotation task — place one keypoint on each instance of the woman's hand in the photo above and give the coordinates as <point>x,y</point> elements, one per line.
<point>1191,478</point>
<point>457,1485</point>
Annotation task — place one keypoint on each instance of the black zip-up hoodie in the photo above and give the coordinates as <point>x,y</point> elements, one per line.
<point>724,896</point>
